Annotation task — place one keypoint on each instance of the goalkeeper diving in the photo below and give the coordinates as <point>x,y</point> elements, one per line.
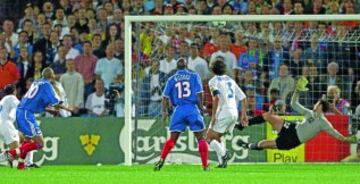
<point>292,134</point>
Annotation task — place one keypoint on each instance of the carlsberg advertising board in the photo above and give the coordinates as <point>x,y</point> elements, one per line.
<point>99,140</point>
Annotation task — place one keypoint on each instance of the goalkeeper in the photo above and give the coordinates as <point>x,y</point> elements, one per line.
<point>292,134</point>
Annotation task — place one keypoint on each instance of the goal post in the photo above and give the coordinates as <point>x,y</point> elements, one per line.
<point>128,28</point>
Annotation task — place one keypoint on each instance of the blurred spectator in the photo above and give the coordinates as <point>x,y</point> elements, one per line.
<point>71,21</point>
<point>29,28</point>
<point>227,9</point>
<point>73,84</point>
<point>197,63</point>
<point>119,49</point>
<point>239,46</point>
<point>29,14</point>
<point>11,37</point>
<point>52,49</point>
<point>183,50</point>
<point>315,54</point>
<point>355,100</point>
<point>44,42</point>
<point>116,18</point>
<point>8,71</point>
<point>317,7</point>
<point>224,52</point>
<point>332,78</point>
<point>23,42</point>
<point>65,5</point>
<point>255,100</point>
<point>338,105</point>
<point>26,69</point>
<point>168,63</point>
<point>85,64</point>
<point>101,16</point>
<point>298,8</point>
<point>82,23</point>
<point>314,85</point>
<point>276,57</point>
<point>158,9</point>
<point>153,85</point>
<point>202,7</point>
<point>97,46</point>
<point>108,68</point>
<point>38,60</point>
<point>252,60</point>
<point>285,83</point>
<point>296,62</point>
<point>112,34</point>
<point>48,10</point>
<point>210,45</point>
<point>77,39</point>
<point>137,7</point>
<point>95,102</point>
<point>59,65</point>
<point>60,18</point>
<point>71,52</point>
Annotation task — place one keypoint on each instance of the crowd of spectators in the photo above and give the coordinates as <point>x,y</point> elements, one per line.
<point>83,42</point>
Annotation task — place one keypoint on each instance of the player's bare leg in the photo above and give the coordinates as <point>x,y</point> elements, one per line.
<point>168,146</point>
<point>13,145</point>
<point>214,140</point>
<point>203,149</point>
<point>275,120</point>
<point>271,117</point>
<point>267,144</point>
<point>276,123</point>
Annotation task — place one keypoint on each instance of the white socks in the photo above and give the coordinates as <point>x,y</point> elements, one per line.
<point>29,158</point>
<point>218,148</point>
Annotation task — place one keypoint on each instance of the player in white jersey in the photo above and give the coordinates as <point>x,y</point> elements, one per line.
<point>8,105</point>
<point>8,133</point>
<point>226,94</point>
<point>292,134</point>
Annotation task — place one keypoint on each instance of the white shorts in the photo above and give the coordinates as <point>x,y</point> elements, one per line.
<point>225,121</point>
<point>8,132</point>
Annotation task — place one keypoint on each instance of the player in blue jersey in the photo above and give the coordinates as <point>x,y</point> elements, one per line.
<point>185,92</point>
<point>39,98</point>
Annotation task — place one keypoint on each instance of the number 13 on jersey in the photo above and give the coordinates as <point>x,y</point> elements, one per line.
<point>183,89</point>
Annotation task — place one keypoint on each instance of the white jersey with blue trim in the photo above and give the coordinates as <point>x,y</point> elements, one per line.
<point>8,108</point>
<point>228,91</point>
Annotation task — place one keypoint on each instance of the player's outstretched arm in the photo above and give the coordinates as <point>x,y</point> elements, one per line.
<point>215,104</point>
<point>244,117</point>
<point>67,108</point>
<point>200,97</point>
<point>240,95</point>
<point>165,106</point>
<point>300,86</point>
<point>296,105</point>
<point>336,134</point>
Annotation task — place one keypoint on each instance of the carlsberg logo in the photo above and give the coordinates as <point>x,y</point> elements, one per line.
<point>151,135</point>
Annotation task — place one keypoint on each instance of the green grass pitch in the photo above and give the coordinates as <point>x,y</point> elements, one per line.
<point>186,174</point>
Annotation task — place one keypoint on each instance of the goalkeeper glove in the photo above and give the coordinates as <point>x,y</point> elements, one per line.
<point>351,139</point>
<point>301,84</point>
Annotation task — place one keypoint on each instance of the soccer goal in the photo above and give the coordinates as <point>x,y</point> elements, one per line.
<point>265,55</point>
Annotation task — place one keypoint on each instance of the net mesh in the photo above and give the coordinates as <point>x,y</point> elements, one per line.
<point>265,59</point>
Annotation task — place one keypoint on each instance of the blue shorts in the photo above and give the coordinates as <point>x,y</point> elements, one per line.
<point>187,116</point>
<point>27,124</point>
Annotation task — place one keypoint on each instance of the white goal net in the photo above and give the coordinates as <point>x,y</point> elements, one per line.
<point>265,55</point>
